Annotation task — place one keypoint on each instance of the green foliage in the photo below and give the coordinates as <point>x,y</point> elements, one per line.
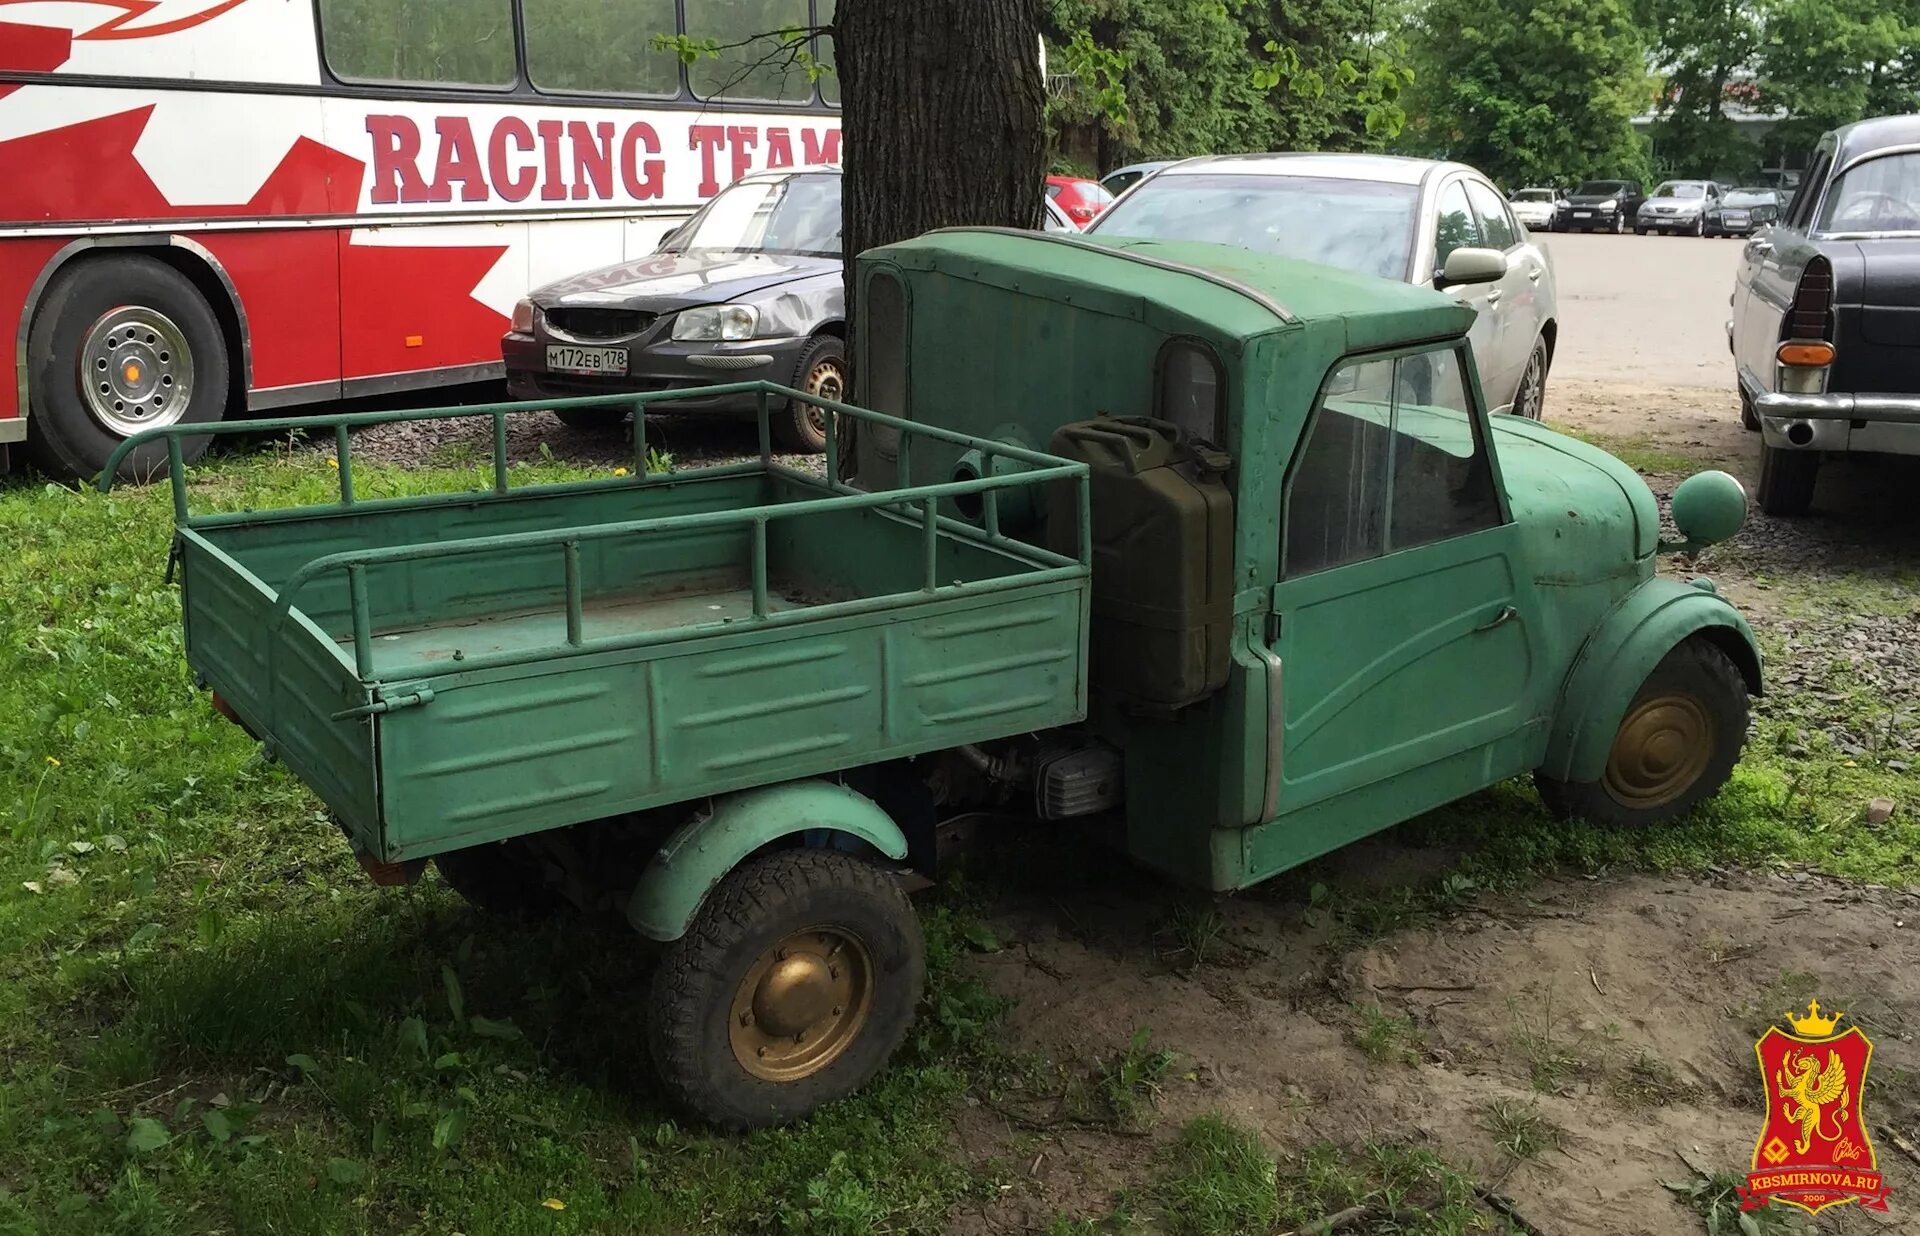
<point>1218,1180</point>
<point>1530,91</point>
<point>1706,46</point>
<point>1828,62</point>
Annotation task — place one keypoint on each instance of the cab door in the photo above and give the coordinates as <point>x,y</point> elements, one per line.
<point>1403,622</point>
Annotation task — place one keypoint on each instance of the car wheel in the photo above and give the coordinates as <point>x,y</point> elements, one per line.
<point>1749,419</point>
<point>1530,399</point>
<point>822,371</point>
<point>795,982</point>
<point>1619,222</point>
<point>1674,749</point>
<point>1699,227</point>
<point>1786,480</point>
<point>591,420</point>
<point>118,346</point>
<point>1638,230</point>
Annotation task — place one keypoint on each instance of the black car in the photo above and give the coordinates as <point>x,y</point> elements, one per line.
<point>1604,206</point>
<point>1825,331</point>
<point>1742,212</point>
<point>750,287</point>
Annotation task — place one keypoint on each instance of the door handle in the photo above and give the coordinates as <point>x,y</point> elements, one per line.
<point>1507,614</point>
<point>1533,273</point>
<point>1760,246</point>
<point>1493,297</point>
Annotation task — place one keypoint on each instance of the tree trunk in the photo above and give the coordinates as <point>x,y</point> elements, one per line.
<point>942,116</point>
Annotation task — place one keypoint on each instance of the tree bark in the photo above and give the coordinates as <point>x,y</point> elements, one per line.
<point>942,115</point>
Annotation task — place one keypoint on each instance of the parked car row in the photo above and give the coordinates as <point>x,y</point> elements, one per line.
<point>1675,207</point>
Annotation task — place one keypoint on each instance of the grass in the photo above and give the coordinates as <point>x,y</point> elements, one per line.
<point>1637,451</point>
<point>1519,1130</point>
<point>1388,1038</point>
<point>1129,1081</point>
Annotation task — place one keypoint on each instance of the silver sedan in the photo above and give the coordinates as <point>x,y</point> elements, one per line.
<point>1439,225</point>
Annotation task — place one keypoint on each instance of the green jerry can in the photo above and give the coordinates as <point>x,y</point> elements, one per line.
<point>1162,558</point>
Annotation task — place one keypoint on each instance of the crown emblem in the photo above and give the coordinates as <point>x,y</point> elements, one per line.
<point>1813,1025</point>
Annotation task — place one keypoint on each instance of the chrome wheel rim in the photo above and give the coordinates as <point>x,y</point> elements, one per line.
<point>826,380</point>
<point>801,1004</point>
<point>1660,751</point>
<point>1532,388</point>
<point>136,370</point>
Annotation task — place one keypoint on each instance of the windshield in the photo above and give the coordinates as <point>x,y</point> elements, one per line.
<point>1880,195</point>
<point>1749,197</point>
<point>1681,189</point>
<point>1533,195</point>
<point>800,214</point>
<point>1357,225</point>
<point>1600,188</point>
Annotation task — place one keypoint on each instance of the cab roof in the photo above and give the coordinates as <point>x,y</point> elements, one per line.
<point>1236,293</point>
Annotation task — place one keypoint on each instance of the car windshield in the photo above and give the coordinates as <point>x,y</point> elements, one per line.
<point>1094,193</point>
<point>1880,195</point>
<point>1681,189</point>
<point>800,214</point>
<point>1533,195</point>
<point>1600,188</point>
<point>1357,225</point>
<point>1749,197</point>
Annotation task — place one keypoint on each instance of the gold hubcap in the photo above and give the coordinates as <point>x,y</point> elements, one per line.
<point>802,1002</point>
<point>1661,750</point>
<point>828,381</point>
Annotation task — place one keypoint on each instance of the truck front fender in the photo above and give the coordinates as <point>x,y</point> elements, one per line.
<point>701,853</point>
<point>1617,658</point>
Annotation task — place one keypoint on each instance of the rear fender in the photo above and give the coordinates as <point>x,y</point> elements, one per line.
<point>701,853</point>
<point>1632,639</point>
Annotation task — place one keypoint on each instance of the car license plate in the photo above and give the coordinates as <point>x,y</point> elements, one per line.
<point>565,358</point>
<point>1583,214</point>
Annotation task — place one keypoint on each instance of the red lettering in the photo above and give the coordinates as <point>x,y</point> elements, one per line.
<point>459,160</point>
<point>592,158</point>
<point>396,147</point>
<point>706,138</point>
<point>820,145</point>
<point>779,148</point>
<point>742,138</point>
<point>511,185</point>
<point>552,188</point>
<point>642,179</point>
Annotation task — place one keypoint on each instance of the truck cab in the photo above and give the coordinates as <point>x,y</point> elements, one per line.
<point>1410,599</point>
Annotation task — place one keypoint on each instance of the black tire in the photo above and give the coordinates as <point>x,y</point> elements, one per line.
<point>591,420</point>
<point>1619,222</point>
<point>801,427</point>
<point>1786,480</point>
<point>1695,682</point>
<point>1749,419</point>
<point>500,878</point>
<point>1530,398</point>
<point>1638,230</point>
<point>1700,226</point>
<point>757,908</point>
<point>65,436</point>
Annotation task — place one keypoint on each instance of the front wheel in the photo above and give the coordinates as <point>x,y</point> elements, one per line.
<point>796,981</point>
<point>1619,223</point>
<point>1638,230</point>
<point>1786,480</point>
<point>1674,749</point>
<point>1699,227</point>
<point>822,372</point>
<point>120,345</point>
<point>1530,400</point>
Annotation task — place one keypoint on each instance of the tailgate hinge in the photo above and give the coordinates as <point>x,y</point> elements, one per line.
<point>408,697</point>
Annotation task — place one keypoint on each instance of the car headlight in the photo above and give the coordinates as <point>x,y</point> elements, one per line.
<point>1612,203</point>
<point>716,322</point>
<point>523,318</point>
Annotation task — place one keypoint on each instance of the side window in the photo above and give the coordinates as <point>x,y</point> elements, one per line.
<point>1496,229</point>
<point>1191,393</point>
<point>1801,212</point>
<point>754,62</point>
<point>430,42</point>
<point>1393,460</point>
<point>591,47</point>
<point>1455,228</point>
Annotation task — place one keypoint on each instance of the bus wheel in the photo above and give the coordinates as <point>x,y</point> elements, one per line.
<point>795,982</point>
<point>120,345</point>
<point>822,372</point>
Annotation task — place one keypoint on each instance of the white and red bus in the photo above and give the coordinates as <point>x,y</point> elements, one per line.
<point>210,206</point>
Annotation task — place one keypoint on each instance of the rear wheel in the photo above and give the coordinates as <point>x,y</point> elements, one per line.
<point>1749,419</point>
<point>796,981</point>
<point>822,371</point>
<point>1786,480</point>
<point>1674,749</point>
<point>120,345</point>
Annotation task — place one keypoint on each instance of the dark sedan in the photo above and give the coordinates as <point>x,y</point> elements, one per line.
<point>750,287</point>
<point>1825,331</point>
<point>1742,212</point>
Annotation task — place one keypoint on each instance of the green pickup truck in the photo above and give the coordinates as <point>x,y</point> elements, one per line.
<point>1222,547</point>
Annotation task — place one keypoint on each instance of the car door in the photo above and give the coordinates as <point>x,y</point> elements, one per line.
<point>1770,269</point>
<point>1515,304</point>
<point>1404,625</point>
<point>1456,227</point>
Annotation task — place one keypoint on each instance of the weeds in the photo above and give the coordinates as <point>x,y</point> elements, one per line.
<point>1217,1180</point>
<point>1716,1199</point>
<point>1387,1038</point>
<point>1198,933</point>
<point>1129,1082</point>
<point>1519,1130</point>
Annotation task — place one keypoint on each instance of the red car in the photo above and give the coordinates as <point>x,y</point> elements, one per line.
<point>1081,198</point>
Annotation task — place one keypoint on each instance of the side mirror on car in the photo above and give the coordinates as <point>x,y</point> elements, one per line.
<point>1472,266</point>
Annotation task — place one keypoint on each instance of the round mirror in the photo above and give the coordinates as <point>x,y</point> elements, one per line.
<point>1709,507</point>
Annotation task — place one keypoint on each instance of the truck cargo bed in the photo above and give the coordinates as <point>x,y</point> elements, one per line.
<point>453,669</point>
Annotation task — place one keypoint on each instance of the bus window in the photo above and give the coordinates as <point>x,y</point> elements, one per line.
<point>435,42</point>
<point>823,52</point>
<point>759,68</point>
<point>592,47</point>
